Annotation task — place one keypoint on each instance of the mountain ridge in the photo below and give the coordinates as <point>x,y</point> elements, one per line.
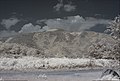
<point>60,43</point>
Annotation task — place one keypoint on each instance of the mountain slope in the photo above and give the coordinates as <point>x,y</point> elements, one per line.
<point>59,43</point>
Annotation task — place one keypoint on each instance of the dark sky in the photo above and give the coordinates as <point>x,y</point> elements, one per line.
<point>39,9</point>
<point>14,14</point>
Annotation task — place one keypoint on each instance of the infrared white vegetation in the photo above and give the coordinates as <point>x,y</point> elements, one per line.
<point>30,62</point>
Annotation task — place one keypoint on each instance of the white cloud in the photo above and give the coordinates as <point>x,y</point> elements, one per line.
<point>7,23</point>
<point>66,7</point>
<point>71,23</point>
<point>29,28</point>
<point>75,23</point>
<point>58,6</point>
<point>6,33</point>
<point>69,7</point>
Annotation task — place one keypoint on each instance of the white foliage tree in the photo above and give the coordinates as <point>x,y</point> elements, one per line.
<point>103,49</point>
<point>114,30</point>
<point>17,50</point>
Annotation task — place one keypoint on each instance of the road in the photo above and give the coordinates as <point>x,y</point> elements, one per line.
<point>63,75</point>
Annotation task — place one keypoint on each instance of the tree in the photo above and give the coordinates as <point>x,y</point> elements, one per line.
<point>114,30</point>
<point>103,49</point>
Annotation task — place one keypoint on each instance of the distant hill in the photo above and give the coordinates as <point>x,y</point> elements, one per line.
<point>54,43</point>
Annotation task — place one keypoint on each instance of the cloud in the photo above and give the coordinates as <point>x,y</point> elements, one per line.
<point>75,23</point>
<point>71,23</point>
<point>69,7</point>
<point>29,28</point>
<point>6,33</point>
<point>58,7</point>
<point>7,23</point>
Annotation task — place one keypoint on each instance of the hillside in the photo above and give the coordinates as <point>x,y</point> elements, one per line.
<point>52,44</point>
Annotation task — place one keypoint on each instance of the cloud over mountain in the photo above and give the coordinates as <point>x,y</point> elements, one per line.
<point>29,28</point>
<point>70,23</point>
<point>75,23</point>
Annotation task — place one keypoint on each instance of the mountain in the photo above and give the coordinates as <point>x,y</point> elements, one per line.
<point>52,44</point>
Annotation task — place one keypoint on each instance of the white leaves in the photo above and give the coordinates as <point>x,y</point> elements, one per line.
<point>102,49</point>
<point>51,63</point>
<point>16,49</point>
<point>114,28</point>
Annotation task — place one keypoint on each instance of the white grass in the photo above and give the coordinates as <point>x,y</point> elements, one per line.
<point>51,63</point>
